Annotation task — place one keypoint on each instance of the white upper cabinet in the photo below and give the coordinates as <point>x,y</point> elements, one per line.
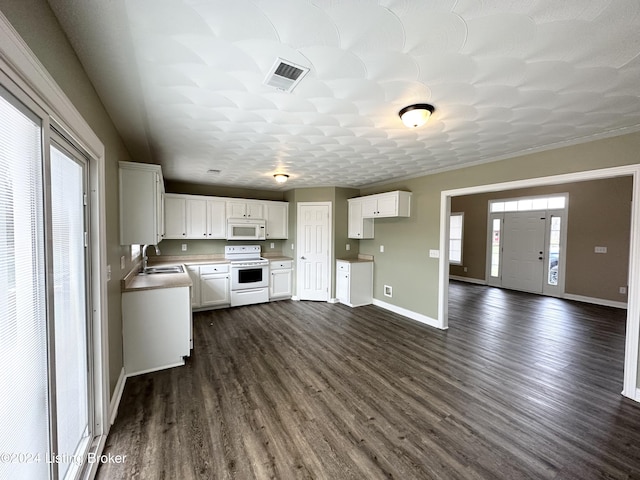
<point>245,209</point>
<point>205,217</point>
<point>141,204</point>
<point>362,211</point>
<point>359,227</point>
<point>175,216</point>
<point>391,204</point>
<point>277,218</point>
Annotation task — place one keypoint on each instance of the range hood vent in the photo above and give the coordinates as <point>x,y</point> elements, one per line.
<point>285,75</point>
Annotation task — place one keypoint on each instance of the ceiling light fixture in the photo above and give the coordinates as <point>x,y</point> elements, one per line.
<point>416,115</point>
<point>281,177</point>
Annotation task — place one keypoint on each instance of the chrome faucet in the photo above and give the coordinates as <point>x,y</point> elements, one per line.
<point>145,259</point>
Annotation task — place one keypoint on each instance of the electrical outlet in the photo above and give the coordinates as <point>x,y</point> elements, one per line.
<point>388,291</point>
<point>465,269</point>
<point>348,247</point>
<point>123,262</point>
<point>273,245</point>
<point>623,290</point>
<point>108,272</point>
<point>381,248</point>
<point>292,245</point>
<point>184,247</point>
<point>600,250</point>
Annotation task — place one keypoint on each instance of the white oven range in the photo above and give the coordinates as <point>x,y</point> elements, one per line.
<point>249,274</point>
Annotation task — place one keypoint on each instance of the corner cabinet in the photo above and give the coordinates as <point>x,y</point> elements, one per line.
<point>141,204</point>
<point>363,210</point>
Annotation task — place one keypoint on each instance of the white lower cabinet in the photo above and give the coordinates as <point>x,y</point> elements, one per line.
<point>354,282</point>
<point>214,285</point>
<point>280,283</point>
<point>156,329</point>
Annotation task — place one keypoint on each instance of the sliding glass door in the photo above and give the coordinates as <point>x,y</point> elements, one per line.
<point>69,240</point>
<point>46,395</point>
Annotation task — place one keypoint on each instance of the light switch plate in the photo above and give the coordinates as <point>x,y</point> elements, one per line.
<point>600,250</point>
<point>434,253</point>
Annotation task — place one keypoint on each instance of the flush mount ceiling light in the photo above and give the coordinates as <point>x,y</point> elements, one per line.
<point>281,177</point>
<point>416,115</point>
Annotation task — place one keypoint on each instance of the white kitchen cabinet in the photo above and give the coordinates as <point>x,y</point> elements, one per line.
<point>359,227</point>
<point>354,282</point>
<point>277,218</point>
<point>156,326</point>
<point>175,218</point>
<point>237,208</point>
<point>205,218</point>
<point>141,203</point>
<point>280,283</point>
<point>390,204</point>
<point>214,285</point>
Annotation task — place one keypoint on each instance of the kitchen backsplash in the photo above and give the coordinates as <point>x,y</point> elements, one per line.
<point>203,247</point>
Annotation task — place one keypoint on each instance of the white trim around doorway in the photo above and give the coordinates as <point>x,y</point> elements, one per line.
<point>632,343</point>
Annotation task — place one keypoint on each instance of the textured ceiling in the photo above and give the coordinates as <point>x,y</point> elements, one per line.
<point>183,82</point>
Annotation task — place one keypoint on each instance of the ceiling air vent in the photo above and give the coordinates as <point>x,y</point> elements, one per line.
<point>285,75</point>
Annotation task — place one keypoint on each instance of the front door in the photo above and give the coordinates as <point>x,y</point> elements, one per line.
<point>313,266</point>
<point>524,250</point>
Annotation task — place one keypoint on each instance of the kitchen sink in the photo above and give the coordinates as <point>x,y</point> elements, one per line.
<point>167,269</point>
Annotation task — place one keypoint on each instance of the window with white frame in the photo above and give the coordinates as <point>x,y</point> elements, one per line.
<point>456,222</point>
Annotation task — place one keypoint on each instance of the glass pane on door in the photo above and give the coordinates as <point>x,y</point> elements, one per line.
<point>71,336</point>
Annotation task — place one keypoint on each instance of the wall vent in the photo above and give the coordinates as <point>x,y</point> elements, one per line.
<point>285,75</point>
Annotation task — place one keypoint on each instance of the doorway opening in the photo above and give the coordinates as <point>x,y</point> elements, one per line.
<point>526,244</point>
<point>632,330</point>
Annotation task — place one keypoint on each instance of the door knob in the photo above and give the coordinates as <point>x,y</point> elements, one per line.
<point>302,258</point>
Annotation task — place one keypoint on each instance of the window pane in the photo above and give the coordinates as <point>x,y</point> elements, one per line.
<point>495,248</point>
<point>455,237</point>
<point>511,206</point>
<point>67,211</point>
<point>24,423</point>
<point>497,206</point>
<point>539,204</point>
<point>556,202</point>
<point>525,205</point>
<point>554,250</point>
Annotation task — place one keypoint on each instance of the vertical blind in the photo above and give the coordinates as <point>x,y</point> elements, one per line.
<point>24,431</point>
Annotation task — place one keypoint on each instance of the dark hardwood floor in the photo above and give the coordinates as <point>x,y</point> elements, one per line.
<point>519,387</point>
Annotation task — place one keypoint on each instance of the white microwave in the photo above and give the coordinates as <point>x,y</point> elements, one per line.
<point>246,229</point>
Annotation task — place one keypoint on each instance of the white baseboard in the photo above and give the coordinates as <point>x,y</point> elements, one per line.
<point>418,317</point>
<point>295,298</point>
<point>477,281</point>
<point>596,301</point>
<point>117,396</point>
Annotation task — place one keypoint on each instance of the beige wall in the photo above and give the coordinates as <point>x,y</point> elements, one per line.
<point>36,24</point>
<point>406,266</point>
<point>599,214</point>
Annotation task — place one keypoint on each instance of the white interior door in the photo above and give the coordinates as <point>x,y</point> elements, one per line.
<point>523,251</point>
<point>313,266</point>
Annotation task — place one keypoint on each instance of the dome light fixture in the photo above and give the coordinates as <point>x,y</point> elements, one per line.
<point>281,177</point>
<point>414,116</point>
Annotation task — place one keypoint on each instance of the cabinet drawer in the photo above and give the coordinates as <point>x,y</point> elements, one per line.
<point>219,268</point>
<point>344,266</point>
<point>281,264</point>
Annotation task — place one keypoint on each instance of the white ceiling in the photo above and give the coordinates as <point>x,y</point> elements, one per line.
<point>183,82</point>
